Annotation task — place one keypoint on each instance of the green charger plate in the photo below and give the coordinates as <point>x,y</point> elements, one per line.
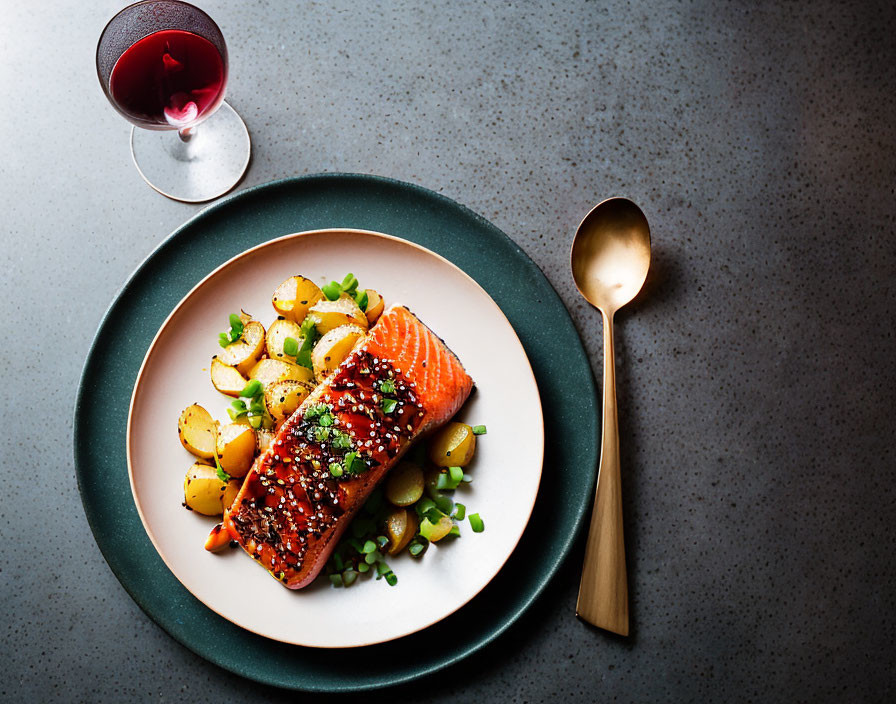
<point>256,215</point>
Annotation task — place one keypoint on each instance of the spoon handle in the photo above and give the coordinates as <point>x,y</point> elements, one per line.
<point>603,592</point>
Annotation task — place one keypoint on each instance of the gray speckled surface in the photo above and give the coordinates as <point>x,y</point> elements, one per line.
<point>755,373</point>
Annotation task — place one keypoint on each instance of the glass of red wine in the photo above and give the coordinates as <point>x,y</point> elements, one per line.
<point>163,65</point>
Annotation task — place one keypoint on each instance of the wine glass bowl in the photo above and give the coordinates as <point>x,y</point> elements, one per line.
<point>163,65</point>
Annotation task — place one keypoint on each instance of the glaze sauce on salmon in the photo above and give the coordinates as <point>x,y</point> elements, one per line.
<point>326,459</point>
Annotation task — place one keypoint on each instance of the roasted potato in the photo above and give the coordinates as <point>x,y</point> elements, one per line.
<point>245,352</point>
<point>277,334</point>
<point>401,525</point>
<point>333,347</point>
<point>236,448</point>
<point>282,398</point>
<point>375,306</point>
<point>263,439</point>
<point>230,491</point>
<point>203,490</point>
<point>225,378</point>
<point>269,371</point>
<point>328,314</point>
<point>197,430</point>
<point>404,485</point>
<point>294,297</point>
<point>452,446</point>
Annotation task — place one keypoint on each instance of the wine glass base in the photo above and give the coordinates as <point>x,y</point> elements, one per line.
<point>202,168</point>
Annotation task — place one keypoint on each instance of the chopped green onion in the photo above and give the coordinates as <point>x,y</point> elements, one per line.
<point>337,562</point>
<point>341,441</point>
<point>316,411</point>
<point>382,541</point>
<point>255,421</point>
<point>479,430</point>
<point>426,528</point>
<point>321,434</point>
<point>454,532</point>
<point>387,386</point>
<point>363,567</point>
<point>335,469</point>
<point>370,557</point>
<point>460,512</point>
<point>336,579</point>
<point>252,389</point>
<point>235,322</point>
<point>448,481</point>
<point>349,283</point>
<point>362,299</point>
<point>331,290</point>
<point>424,505</point>
<point>349,577</point>
<point>382,568</point>
<point>456,474</point>
<point>239,405</point>
<point>391,579</point>
<point>369,546</point>
<point>416,548</point>
<point>326,420</point>
<point>234,414</point>
<point>442,501</point>
<point>291,346</point>
<point>389,405</point>
<point>476,523</point>
<point>257,406</point>
<point>223,339</point>
<point>219,470</point>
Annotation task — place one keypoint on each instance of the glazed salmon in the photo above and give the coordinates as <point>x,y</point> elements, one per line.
<point>399,383</point>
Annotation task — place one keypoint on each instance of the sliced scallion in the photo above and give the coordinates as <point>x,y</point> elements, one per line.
<point>331,290</point>
<point>391,579</point>
<point>476,523</point>
<point>336,579</point>
<point>349,577</point>
<point>479,430</point>
<point>389,405</point>
<point>416,548</point>
<point>291,346</point>
<point>252,389</point>
<point>369,546</point>
<point>370,557</point>
<point>363,567</point>
<point>335,469</point>
<point>460,512</point>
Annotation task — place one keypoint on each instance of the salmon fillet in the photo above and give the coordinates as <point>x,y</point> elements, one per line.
<point>400,382</point>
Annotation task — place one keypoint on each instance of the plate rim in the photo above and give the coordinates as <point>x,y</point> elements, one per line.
<point>80,428</point>
<point>206,280</point>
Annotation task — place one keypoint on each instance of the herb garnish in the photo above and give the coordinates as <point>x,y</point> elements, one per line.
<point>236,330</point>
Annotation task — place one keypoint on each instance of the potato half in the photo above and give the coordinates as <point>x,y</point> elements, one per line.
<point>282,398</point>
<point>269,371</point>
<point>453,446</point>
<point>276,337</point>
<point>236,448</point>
<point>375,306</point>
<point>404,485</point>
<point>245,352</point>
<point>197,430</point>
<point>225,378</point>
<point>401,525</point>
<point>333,347</point>
<point>295,296</point>
<point>331,314</point>
<point>203,490</point>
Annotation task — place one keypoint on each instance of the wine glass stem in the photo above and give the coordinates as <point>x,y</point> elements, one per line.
<point>185,134</point>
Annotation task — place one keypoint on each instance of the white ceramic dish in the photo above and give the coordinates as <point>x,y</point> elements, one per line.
<point>506,469</point>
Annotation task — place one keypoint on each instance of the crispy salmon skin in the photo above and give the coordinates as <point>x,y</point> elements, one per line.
<point>398,383</point>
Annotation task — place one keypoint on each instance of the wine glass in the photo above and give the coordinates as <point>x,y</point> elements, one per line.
<point>163,65</point>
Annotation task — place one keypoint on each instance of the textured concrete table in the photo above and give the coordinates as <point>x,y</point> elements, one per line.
<point>756,371</point>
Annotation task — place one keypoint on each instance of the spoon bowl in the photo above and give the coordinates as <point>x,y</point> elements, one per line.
<point>610,257</point>
<point>611,254</point>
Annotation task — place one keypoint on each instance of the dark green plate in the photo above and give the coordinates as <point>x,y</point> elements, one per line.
<point>310,203</point>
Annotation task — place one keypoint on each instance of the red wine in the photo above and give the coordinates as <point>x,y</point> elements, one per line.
<point>168,79</point>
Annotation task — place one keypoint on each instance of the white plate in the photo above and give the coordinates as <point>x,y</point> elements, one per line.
<point>506,468</point>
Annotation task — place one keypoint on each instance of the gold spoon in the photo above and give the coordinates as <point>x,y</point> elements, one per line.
<point>610,257</point>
